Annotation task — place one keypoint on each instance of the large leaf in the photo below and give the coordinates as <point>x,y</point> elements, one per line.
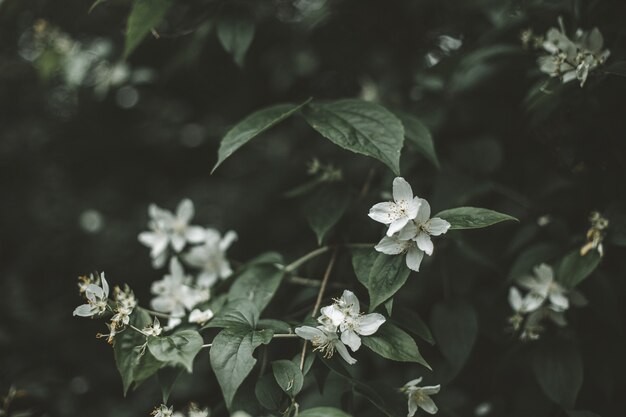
<point>251,126</point>
<point>235,33</point>
<point>393,343</point>
<point>268,393</point>
<point>167,378</point>
<point>387,276</point>
<point>419,135</point>
<point>574,267</point>
<point>323,412</point>
<point>239,312</point>
<point>325,207</point>
<point>257,284</point>
<point>231,357</point>
<point>144,16</point>
<point>558,369</point>
<point>455,328</point>
<point>360,127</point>
<point>289,376</point>
<point>412,322</point>
<point>362,263</point>
<point>531,257</point>
<point>179,348</point>
<point>472,217</point>
<point>134,364</point>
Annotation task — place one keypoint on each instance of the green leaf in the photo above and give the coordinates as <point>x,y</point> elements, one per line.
<point>179,348</point>
<point>277,326</point>
<point>323,412</point>
<point>133,366</point>
<point>325,207</point>
<point>531,257</point>
<point>472,217</point>
<point>581,413</point>
<point>387,276</point>
<point>393,343</point>
<point>167,378</point>
<point>419,135</point>
<point>455,328</point>
<point>268,393</point>
<point>235,33</point>
<point>574,268</point>
<point>240,312</point>
<point>361,127</point>
<point>288,376</point>
<point>253,125</point>
<point>231,357</point>
<point>362,263</point>
<point>558,369</point>
<point>412,322</point>
<point>257,284</point>
<point>144,16</point>
<point>389,306</point>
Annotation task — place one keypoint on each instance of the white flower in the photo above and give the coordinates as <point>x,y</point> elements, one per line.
<point>174,293</point>
<point>153,329</point>
<point>326,341</point>
<point>419,397</point>
<point>523,305</point>
<point>200,317</point>
<point>414,238</point>
<point>167,229</point>
<point>345,314</point>
<point>162,411</point>
<point>211,257</point>
<point>172,323</point>
<point>544,287</point>
<point>125,304</point>
<point>97,298</point>
<point>398,212</point>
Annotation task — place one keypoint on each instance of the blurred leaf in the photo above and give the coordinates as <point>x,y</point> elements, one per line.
<point>253,125</point>
<point>393,343</point>
<point>167,378</point>
<point>482,156</point>
<point>616,214</point>
<point>387,275</point>
<point>412,322</point>
<point>455,327</point>
<point>269,394</point>
<point>231,357</point>
<point>531,257</point>
<point>323,412</point>
<point>616,68</point>
<point>574,268</point>
<point>288,376</point>
<point>361,127</point>
<point>144,16</point>
<point>419,135</point>
<point>581,413</point>
<point>257,284</point>
<point>558,369</point>
<point>325,207</point>
<point>179,348</point>
<point>472,217</point>
<point>235,33</point>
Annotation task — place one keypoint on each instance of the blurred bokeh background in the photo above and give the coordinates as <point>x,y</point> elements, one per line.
<point>88,141</point>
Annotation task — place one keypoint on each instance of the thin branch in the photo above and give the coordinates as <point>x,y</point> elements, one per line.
<point>317,252</point>
<point>320,294</point>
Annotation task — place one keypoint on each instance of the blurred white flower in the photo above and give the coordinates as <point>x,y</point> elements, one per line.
<point>210,257</point>
<point>96,292</point>
<point>398,212</point>
<point>200,317</point>
<point>175,294</point>
<point>125,303</point>
<point>543,286</point>
<point>162,411</point>
<point>326,341</point>
<point>170,230</point>
<point>419,397</point>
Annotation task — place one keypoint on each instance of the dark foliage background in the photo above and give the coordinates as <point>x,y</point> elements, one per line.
<point>70,161</point>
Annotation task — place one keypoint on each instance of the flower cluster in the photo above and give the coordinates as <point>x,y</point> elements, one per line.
<point>193,411</point>
<point>595,234</point>
<point>419,397</point>
<point>410,226</point>
<point>341,324</point>
<point>545,299</point>
<point>569,59</point>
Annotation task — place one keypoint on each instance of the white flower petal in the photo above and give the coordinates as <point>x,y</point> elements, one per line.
<point>195,234</point>
<point>350,338</point>
<point>391,246</point>
<point>423,214</point>
<point>384,213</point>
<point>207,279</point>
<point>428,405</point>
<point>437,226</point>
<point>185,210</point>
<point>408,232</point>
<point>412,406</point>
<point>84,310</point>
<point>351,302</point>
<point>402,190</point>
<point>413,207</point>
<point>228,240</point>
<point>432,389</point>
<point>343,352</point>
<point>333,314</point>
<point>414,258</point>
<point>397,225</point>
<point>515,299</point>
<point>309,333</point>
<point>178,242</point>
<point>559,301</point>
<point>424,243</point>
<point>369,323</point>
<point>413,382</point>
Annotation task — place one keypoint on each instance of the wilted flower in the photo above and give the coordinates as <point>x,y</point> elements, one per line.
<point>200,317</point>
<point>419,397</point>
<point>211,257</point>
<point>595,234</point>
<point>170,230</point>
<point>398,212</point>
<point>97,294</point>
<point>125,303</point>
<point>326,341</point>
<point>174,293</point>
<point>162,411</point>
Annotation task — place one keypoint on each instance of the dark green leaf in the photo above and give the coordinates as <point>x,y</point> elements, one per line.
<point>360,127</point>
<point>574,268</point>
<point>558,369</point>
<point>387,276</point>
<point>179,348</point>
<point>455,328</point>
<point>269,394</point>
<point>472,217</point>
<point>167,378</point>
<point>231,357</point>
<point>257,284</point>
<point>531,257</point>
<point>288,376</point>
<point>362,263</point>
<point>235,33</point>
<point>325,207</point>
<point>412,322</point>
<point>419,135</point>
<point>323,412</point>
<point>277,326</point>
<point>240,312</point>
<point>253,125</point>
<point>393,343</point>
<point>144,16</point>
<point>581,413</point>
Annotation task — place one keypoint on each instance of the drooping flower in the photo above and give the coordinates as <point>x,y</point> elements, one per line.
<point>97,295</point>
<point>419,397</point>
<point>170,230</point>
<point>398,212</point>
<point>175,294</point>
<point>210,257</point>
<point>200,317</point>
<point>325,341</point>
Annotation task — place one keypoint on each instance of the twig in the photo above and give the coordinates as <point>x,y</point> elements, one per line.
<point>317,252</point>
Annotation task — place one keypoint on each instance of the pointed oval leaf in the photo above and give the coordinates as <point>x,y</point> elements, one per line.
<point>325,207</point>
<point>179,348</point>
<point>472,217</point>
<point>235,33</point>
<point>419,135</point>
<point>387,276</point>
<point>455,328</point>
<point>574,268</point>
<point>393,343</point>
<point>257,284</point>
<point>144,16</point>
<point>289,376</point>
<point>361,127</point>
<point>558,369</point>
